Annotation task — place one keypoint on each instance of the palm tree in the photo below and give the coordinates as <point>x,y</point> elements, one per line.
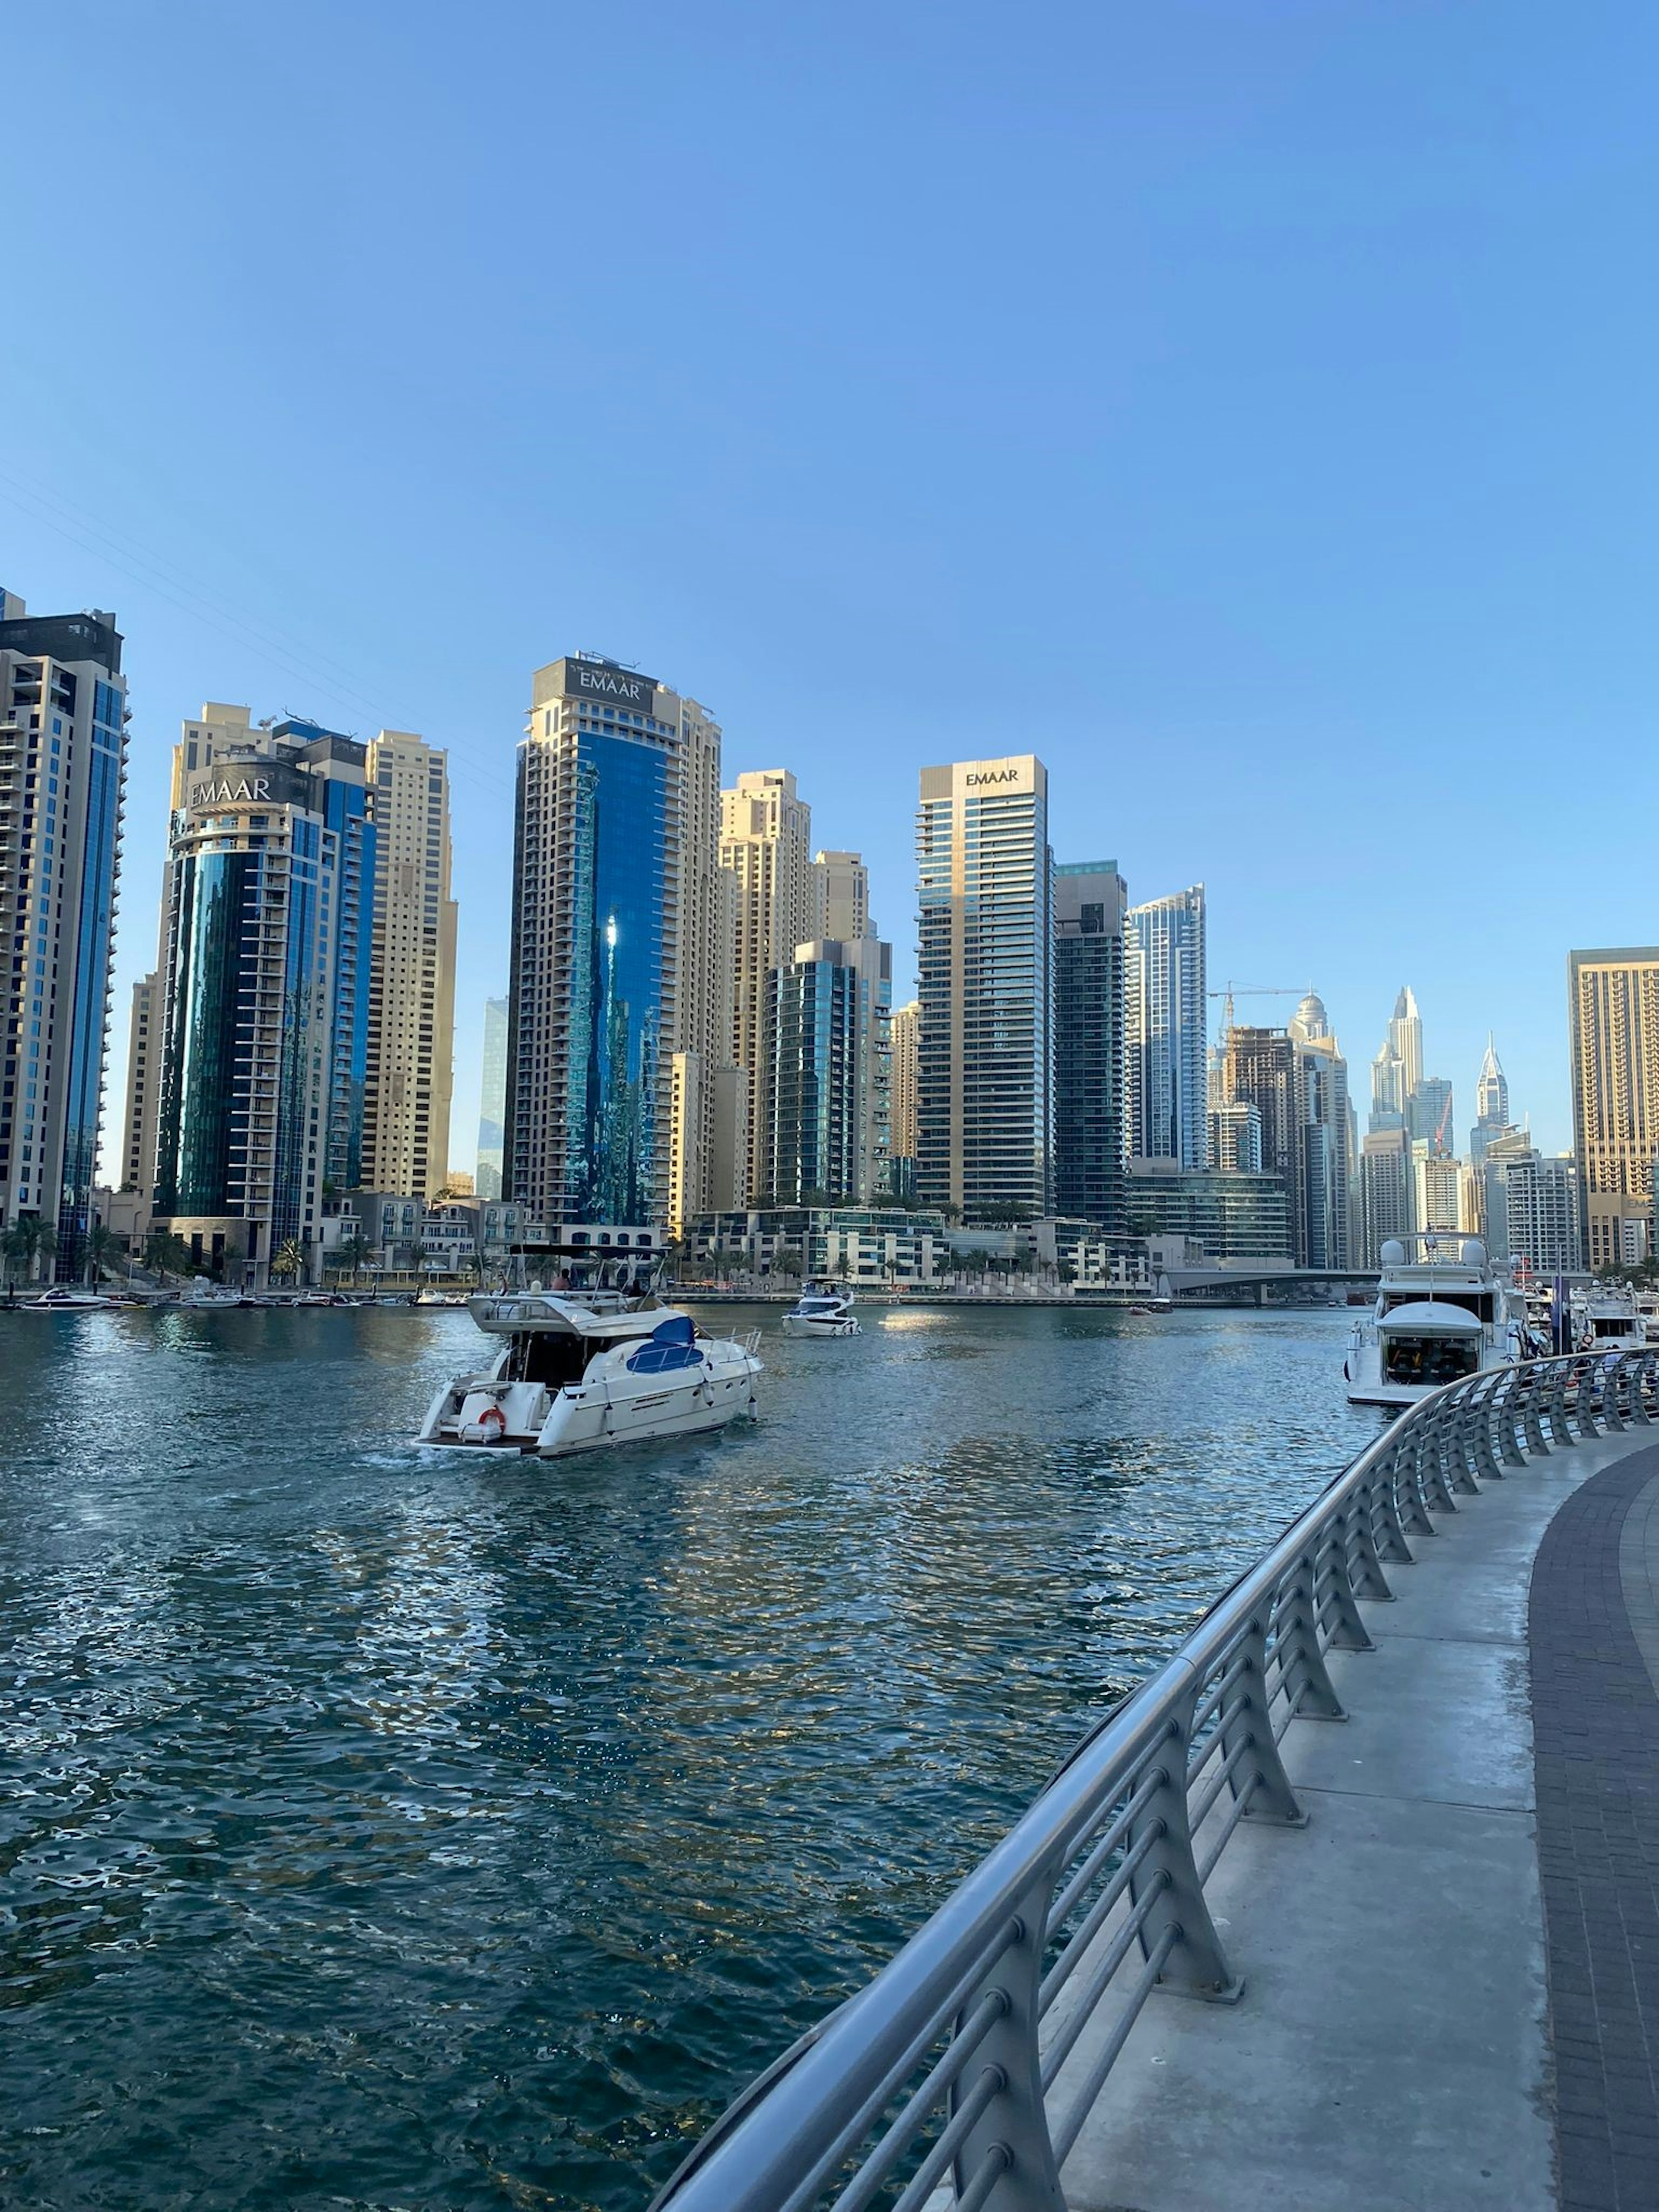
<point>352,1254</point>
<point>27,1236</point>
<point>288,1259</point>
<point>102,1247</point>
<point>166,1254</point>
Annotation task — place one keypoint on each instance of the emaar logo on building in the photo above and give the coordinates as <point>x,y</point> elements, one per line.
<point>611,683</point>
<point>224,791</point>
<point>992,775</point>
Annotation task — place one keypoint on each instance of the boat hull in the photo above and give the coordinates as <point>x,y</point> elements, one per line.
<point>796,1325</point>
<point>482,1412</point>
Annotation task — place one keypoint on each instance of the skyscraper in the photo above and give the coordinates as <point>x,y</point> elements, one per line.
<point>1491,1105</point>
<point>827,1054</point>
<point>1325,1118</point>
<point>1387,1192</point>
<point>409,1073</point>
<point>844,895</point>
<point>985,1125</point>
<point>1398,1067</point>
<point>63,764</point>
<point>766,842</point>
<point>1090,904</point>
<point>1613,1012</point>
<point>492,1100</point>
<point>615,925</point>
<point>1235,1137</point>
<point>906,1083</point>
<point>143,1086</point>
<point>1165,1020</point>
<point>1532,1205</point>
<point>267,925</point>
<point>1260,1067</point>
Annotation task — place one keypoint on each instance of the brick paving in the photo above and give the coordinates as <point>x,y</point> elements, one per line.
<point>1593,1630</point>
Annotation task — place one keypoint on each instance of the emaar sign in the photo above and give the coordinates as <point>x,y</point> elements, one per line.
<point>599,679</point>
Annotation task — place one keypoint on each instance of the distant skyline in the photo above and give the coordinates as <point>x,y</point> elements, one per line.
<point>1244,411</point>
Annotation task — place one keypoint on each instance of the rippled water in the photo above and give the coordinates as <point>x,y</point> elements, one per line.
<point>402,1829</point>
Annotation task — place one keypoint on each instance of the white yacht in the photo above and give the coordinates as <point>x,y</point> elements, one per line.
<point>590,1357</point>
<point>65,1298</point>
<point>1606,1318</point>
<point>1442,1313</point>
<point>821,1313</point>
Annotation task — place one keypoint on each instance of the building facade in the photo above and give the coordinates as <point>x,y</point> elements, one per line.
<point>984,1109</point>
<point>1398,1067</point>
<point>143,1087</point>
<point>1386,1191</point>
<point>1325,1113</point>
<point>492,1101</point>
<point>614,986</point>
<point>1491,1105</point>
<point>267,927</point>
<point>62,773</point>
<point>1166,1011</point>
<point>1231,1215</point>
<point>411,1060</point>
<point>1235,1137</point>
<point>1089,905</point>
<point>766,846</point>
<point>827,1055</point>
<point>1532,1206</point>
<point>1613,1010</point>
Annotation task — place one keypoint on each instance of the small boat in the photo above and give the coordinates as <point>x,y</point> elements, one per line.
<point>1605,1318</point>
<point>821,1313</point>
<point>1439,1317</point>
<point>64,1297</point>
<point>594,1360</point>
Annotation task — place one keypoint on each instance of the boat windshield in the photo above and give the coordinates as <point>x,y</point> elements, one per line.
<point>1614,1325</point>
<point>1478,1303</point>
<point>1429,1359</point>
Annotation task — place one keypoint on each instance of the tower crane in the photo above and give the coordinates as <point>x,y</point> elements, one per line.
<point>1252,991</point>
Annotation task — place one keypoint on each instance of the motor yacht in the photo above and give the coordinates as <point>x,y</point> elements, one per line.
<point>1443,1311</point>
<point>590,1356</point>
<point>66,1297</point>
<point>1606,1318</point>
<point>821,1313</point>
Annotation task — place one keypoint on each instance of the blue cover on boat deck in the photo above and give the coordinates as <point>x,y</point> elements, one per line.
<point>670,1347</point>
<point>677,1329</point>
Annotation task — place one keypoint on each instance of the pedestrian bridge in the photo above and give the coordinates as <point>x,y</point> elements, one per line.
<point>1355,1903</point>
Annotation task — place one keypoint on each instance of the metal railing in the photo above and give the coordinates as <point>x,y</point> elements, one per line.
<point>964,2066</point>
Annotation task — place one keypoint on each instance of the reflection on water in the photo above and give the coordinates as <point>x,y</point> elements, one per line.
<point>391,1828</point>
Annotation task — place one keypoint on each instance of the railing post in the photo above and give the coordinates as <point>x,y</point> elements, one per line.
<point>1529,1421</point>
<point>1358,1531</point>
<point>1610,1377</point>
<point>1197,1966</point>
<point>1556,1406</point>
<point>1384,1492</point>
<point>1507,1403</point>
<point>1015,2122</point>
<point>1272,1798</point>
<point>1431,1462</point>
<point>1455,1448</point>
<point>1635,1398</point>
<point>1477,1416</point>
<point>1296,1638</point>
<point>1584,1401</point>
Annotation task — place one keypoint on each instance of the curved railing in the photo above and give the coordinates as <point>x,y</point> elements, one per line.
<point>958,2068</point>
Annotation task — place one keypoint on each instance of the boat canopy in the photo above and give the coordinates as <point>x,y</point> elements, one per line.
<point>1429,1317</point>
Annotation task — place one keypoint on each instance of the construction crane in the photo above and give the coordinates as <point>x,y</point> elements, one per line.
<point>1253,991</point>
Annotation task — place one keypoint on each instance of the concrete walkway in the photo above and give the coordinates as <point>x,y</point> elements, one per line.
<point>1392,2052</point>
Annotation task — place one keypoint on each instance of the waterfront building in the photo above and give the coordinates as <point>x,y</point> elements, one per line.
<point>1532,1205</point>
<point>1437,1187</point>
<point>1398,1067</point>
<point>1472,1198</point>
<point>1232,1214</point>
<point>1091,903</point>
<point>1235,1137</point>
<point>1165,1018</point>
<point>984,1109</point>
<point>267,922</point>
<point>409,1068</point>
<point>1386,1191</point>
<point>826,1052</point>
<point>143,1086</point>
<point>616,950</point>
<point>1491,1105</point>
<point>766,844</point>
<point>1613,1013</point>
<point>1326,1120</point>
<point>63,772</point>
<point>492,1100</point>
<point>1259,1066</point>
<point>792,1244</point>
<point>905,1034</point>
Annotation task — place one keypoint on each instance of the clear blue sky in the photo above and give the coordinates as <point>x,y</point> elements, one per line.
<point>1248,406</point>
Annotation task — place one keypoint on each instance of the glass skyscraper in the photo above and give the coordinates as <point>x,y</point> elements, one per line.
<point>613,991</point>
<point>62,765</point>
<point>828,1056</point>
<point>1165,1023</point>
<point>492,1101</point>
<point>1090,903</point>
<point>985,1112</point>
<point>267,927</point>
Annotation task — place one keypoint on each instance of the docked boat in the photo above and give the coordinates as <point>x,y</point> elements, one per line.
<point>1443,1311</point>
<point>590,1357</point>
<point>821,1313</point>
<point>65,1298</point>
<point>1606,1318</point>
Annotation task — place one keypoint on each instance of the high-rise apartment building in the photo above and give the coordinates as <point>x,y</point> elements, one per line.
<point>906,1081</point>
<point>1235,1137</point>
<point>409,1069</point>
<point>143,1086</point>
<point>827,1053</point>
<point>616,951</point>
<point>1387,1192</point>
<point>1613,1013</point>
<point>1260,1066</point>
<point>1491,1105</point>
<point>766,843</point>
<point>492,1100</point>
<point>985,1114</point>
<point>844,895</point>
<point>1437,1187</point>
<point>1398,1067</point>
<point>1165,1020</point>
<point>1429,1113</point>
<point>267,928</point>
<point>1325,1114</point>
<point>1532,1206</point>
<point>62,769</point>
<point>1089,905</point>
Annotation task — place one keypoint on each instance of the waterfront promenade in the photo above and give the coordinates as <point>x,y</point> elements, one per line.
<point>1434,1926</point>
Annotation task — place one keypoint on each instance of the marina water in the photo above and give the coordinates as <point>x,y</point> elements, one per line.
<point>391,1828</point>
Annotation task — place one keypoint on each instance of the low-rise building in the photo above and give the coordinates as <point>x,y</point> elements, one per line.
<point>869,1244</point>
<point>1233,1215</point>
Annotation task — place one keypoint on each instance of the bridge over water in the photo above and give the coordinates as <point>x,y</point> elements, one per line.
<point>1355,1903</point>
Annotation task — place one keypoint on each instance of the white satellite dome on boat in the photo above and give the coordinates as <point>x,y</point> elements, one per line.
<point>1393,1254</point>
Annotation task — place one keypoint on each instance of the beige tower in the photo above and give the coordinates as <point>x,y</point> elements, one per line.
<point>907,1062</point>
<point>698,1020</point>
<point>843,883</point>
<point>143,1086</point>
<point>1613,1010</point>
<point>766,841</point>
<point>411,993</point>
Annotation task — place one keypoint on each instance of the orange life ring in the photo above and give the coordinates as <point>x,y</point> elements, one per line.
<point>492,1418</point>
